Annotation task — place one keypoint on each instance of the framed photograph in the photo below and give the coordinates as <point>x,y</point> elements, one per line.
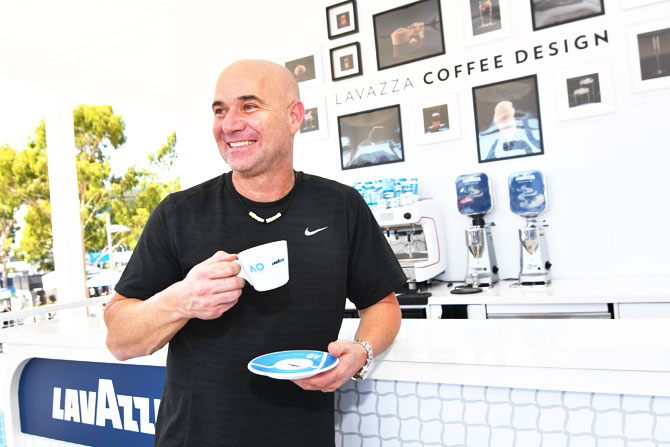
<point>649,45</point>
<point>342,19</point>
<point>408,33</point>
<point>345,61</point>
<point>303,69</point>
<point>547,13</point>
<point>314,124</point>
<point>437,119</point>
<point>489,20</point>
<point>507,119</point>
<point>305,66</point>
<point>371,138</point>
<point>485,16</point>
<point>585,91</point>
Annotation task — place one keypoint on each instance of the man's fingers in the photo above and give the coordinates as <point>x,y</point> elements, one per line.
<point>220,256</point>
<point>229,284</point>
<point>223,269</point>
<point>336,348</point>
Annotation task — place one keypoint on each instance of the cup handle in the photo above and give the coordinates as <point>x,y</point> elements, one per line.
<point>242,274</point>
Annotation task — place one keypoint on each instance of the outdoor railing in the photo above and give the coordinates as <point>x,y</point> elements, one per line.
<point>36,315</point>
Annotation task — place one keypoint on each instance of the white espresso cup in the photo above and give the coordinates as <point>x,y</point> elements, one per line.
<point>265,266</point>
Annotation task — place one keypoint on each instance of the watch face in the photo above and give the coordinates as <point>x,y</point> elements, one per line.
<point>363,373</point>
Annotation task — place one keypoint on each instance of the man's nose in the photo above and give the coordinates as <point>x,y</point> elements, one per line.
<point>232,122</point>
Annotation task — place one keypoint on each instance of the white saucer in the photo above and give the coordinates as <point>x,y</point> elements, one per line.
<point>292,364</point>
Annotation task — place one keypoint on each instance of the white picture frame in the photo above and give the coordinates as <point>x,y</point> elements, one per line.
<point>630,4</point>
<point>585,90</point>
<point>311,72</point>
<point>500,23</point>
<point>649,51</point>
<point>316,127</point>
<point>425,108</point>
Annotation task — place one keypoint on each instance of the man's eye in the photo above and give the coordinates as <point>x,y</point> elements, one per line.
<point>219,112</point>
<point>249,107</point>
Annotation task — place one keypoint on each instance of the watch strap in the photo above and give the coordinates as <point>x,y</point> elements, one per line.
<point>369,361</point>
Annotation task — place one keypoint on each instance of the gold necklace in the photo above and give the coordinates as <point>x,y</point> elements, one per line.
<point>271,219</point>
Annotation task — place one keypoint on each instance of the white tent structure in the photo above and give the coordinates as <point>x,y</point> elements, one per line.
<point>103,278</point>
<point>100,278</point>
<point>49,281</point>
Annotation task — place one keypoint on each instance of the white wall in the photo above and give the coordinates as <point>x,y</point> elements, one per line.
<point>605,173</point>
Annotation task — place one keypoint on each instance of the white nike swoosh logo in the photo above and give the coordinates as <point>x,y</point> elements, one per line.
<point>311,233</point>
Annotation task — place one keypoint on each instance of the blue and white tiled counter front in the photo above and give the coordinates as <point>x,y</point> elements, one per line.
<point>382,413</point>
<point>541,383</point>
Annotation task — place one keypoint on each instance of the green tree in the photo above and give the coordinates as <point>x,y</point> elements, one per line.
<point>138,192</point>
<point>129,198</point>
<point>96,130</point>
<point>27,180</point>
<point>9,205</point>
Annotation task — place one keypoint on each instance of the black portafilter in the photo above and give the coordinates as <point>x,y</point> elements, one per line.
<point>478,220</point>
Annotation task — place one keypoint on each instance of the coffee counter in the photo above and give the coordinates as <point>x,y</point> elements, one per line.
<point>466,357</point>
<point>614,297</point>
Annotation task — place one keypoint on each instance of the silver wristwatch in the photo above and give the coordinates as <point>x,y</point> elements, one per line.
<point>369,362</point>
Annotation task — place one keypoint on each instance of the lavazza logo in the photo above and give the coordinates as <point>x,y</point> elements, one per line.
<point>96,408</point>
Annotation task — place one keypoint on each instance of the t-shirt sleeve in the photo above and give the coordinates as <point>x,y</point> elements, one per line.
<point>374,271</point>
<point>154,264</point>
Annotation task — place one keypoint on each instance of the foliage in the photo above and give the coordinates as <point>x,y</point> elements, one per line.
<point>129,198</point>
<point>166,155</point>
<point>145,193</point>
<point>9,205</point>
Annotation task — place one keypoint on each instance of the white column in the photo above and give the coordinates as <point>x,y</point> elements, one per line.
<point>65,221</point>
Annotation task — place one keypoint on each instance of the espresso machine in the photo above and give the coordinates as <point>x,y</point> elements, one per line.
<point>528,198</point>
<point>475,200</point>
<point>415,232</point>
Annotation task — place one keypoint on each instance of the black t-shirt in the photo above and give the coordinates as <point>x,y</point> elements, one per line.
<point>210,398</point>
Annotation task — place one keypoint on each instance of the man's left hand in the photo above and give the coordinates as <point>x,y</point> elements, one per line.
<point>352,357</point>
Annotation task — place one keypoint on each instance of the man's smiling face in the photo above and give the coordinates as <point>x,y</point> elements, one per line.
<point>252,117</point>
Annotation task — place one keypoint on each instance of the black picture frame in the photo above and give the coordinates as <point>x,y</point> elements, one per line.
<point>548,13</point>
<point>371,137</point>
<point>507,119</point>
<point>341,56</point>
<point>408,33</point>
<point>342,19</point>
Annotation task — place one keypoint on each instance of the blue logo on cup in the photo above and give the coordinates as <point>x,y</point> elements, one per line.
<point>278,261</point>
<point>257,268</point>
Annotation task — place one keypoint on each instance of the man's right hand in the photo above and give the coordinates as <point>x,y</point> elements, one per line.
<point>210,288</point>
<point>141,327</point>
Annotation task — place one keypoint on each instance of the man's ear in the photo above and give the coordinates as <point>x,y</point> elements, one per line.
<point>296,115</point>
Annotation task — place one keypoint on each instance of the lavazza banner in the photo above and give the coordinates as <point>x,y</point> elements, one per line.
<point>101,404</point>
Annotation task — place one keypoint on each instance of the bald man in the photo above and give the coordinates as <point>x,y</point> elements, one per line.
<point>180,286</point>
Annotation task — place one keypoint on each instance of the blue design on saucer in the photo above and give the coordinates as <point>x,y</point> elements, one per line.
<point>297,364</point>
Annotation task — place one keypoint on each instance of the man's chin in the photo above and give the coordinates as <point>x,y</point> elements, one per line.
<point>244,169</point>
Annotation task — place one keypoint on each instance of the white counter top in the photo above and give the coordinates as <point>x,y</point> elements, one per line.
<point>608,356</point>
<point>611,356</point>
<point>642,289</point>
